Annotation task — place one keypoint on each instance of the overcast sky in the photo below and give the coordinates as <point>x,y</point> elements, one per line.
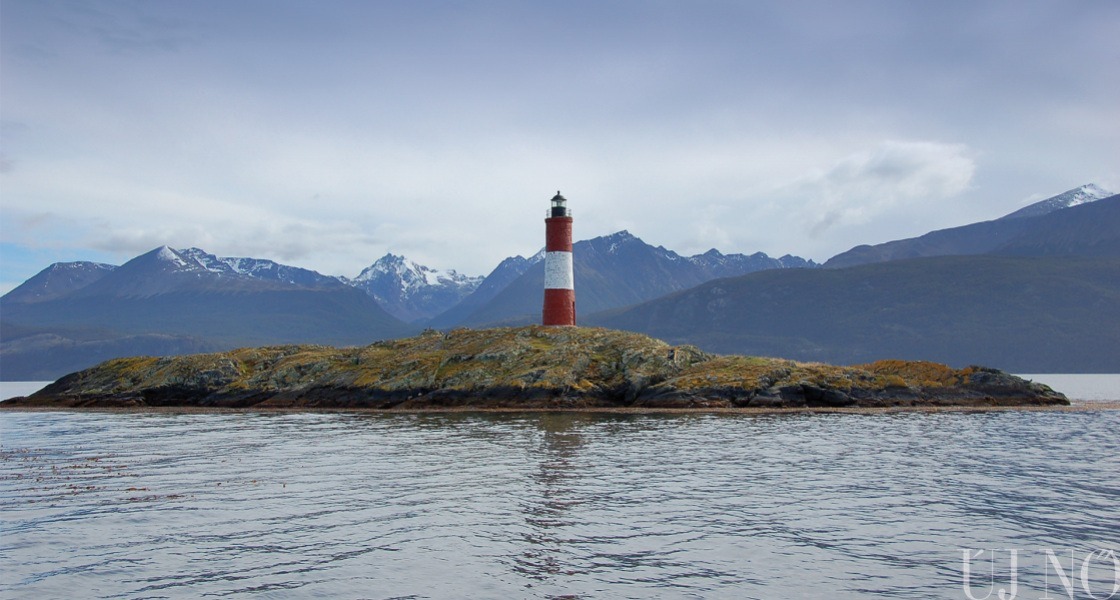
<point>325,134</point>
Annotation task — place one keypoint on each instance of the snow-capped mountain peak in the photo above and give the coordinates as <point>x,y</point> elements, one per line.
<point>410,273</point>
<point>411,291</point>
<point>1089,192</point>
<point>169,255</point>
<point>202,265</point>
<point>199,260</point>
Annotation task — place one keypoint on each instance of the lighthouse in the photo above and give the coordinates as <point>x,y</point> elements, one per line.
<point>559,283</point>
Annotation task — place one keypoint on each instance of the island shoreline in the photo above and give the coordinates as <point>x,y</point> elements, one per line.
<point>619,410</point>
<point>534,369</point>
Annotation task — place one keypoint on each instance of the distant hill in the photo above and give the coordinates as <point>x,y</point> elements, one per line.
<point>171,301</point>
<point>41,354</point>
<point>1082,230</point>
<point>1017,230</point>
<point>58,280</point>
<point>1021,314</point>
<point>618,270</point>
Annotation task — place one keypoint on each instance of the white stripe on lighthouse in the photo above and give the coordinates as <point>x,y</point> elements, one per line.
<point>558,271</point>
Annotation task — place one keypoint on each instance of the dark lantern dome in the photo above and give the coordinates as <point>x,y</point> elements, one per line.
<point>559,206</point>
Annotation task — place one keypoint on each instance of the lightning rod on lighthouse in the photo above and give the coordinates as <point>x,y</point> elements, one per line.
<point>559,283</point>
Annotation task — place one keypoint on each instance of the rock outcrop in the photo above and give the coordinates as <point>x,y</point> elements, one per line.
<point>525,367</point>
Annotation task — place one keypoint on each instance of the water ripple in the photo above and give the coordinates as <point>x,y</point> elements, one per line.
<point>543,505</point>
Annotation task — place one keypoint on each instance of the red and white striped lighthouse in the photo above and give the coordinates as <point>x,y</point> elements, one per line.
<point>559,283</point>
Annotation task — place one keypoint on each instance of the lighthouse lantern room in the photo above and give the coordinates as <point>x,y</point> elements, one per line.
<point>559,283</point>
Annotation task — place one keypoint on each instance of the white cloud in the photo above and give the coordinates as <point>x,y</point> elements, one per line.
<point>889,177</point>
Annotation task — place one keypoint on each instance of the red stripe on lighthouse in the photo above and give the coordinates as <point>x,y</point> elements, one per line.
<point>559,307</point>
<point>558,234</point>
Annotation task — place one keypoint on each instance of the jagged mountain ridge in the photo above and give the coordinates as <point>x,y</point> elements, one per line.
<point>618,270</point>
<point>405,289</point>
<point>411,291</point>
<point>164,270</point>
<point>402,287</point>
<point>169,301</point>
<point>258,268</point>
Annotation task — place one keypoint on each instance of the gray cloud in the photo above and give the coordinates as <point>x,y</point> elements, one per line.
<point>866,184</point>
<point>440,130</point>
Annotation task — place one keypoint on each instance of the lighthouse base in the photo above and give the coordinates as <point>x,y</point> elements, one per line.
<point>559,307</point>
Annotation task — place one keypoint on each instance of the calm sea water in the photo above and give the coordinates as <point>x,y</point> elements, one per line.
<point>556,505</point>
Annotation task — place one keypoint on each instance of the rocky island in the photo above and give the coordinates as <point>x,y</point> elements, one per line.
<point>524,367</point>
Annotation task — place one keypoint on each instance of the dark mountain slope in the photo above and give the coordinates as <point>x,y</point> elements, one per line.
<point>999,236</point>
<point>505,273</point>
<point>340,316</point>
<point>1085,230</point>
<point>29,354</point>
<point>1050,314</point>
<point>167,291</point>
<point>58,280</point>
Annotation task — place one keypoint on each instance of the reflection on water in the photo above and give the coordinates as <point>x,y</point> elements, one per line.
<point>548,505</point>
<point>545,505</point>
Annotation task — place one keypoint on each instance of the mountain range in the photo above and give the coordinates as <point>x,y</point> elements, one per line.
<point>1034,294</point>
<point>610,271</point>
<point>172,301</point>
<point>168,301</point>
<point>981,292</point>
